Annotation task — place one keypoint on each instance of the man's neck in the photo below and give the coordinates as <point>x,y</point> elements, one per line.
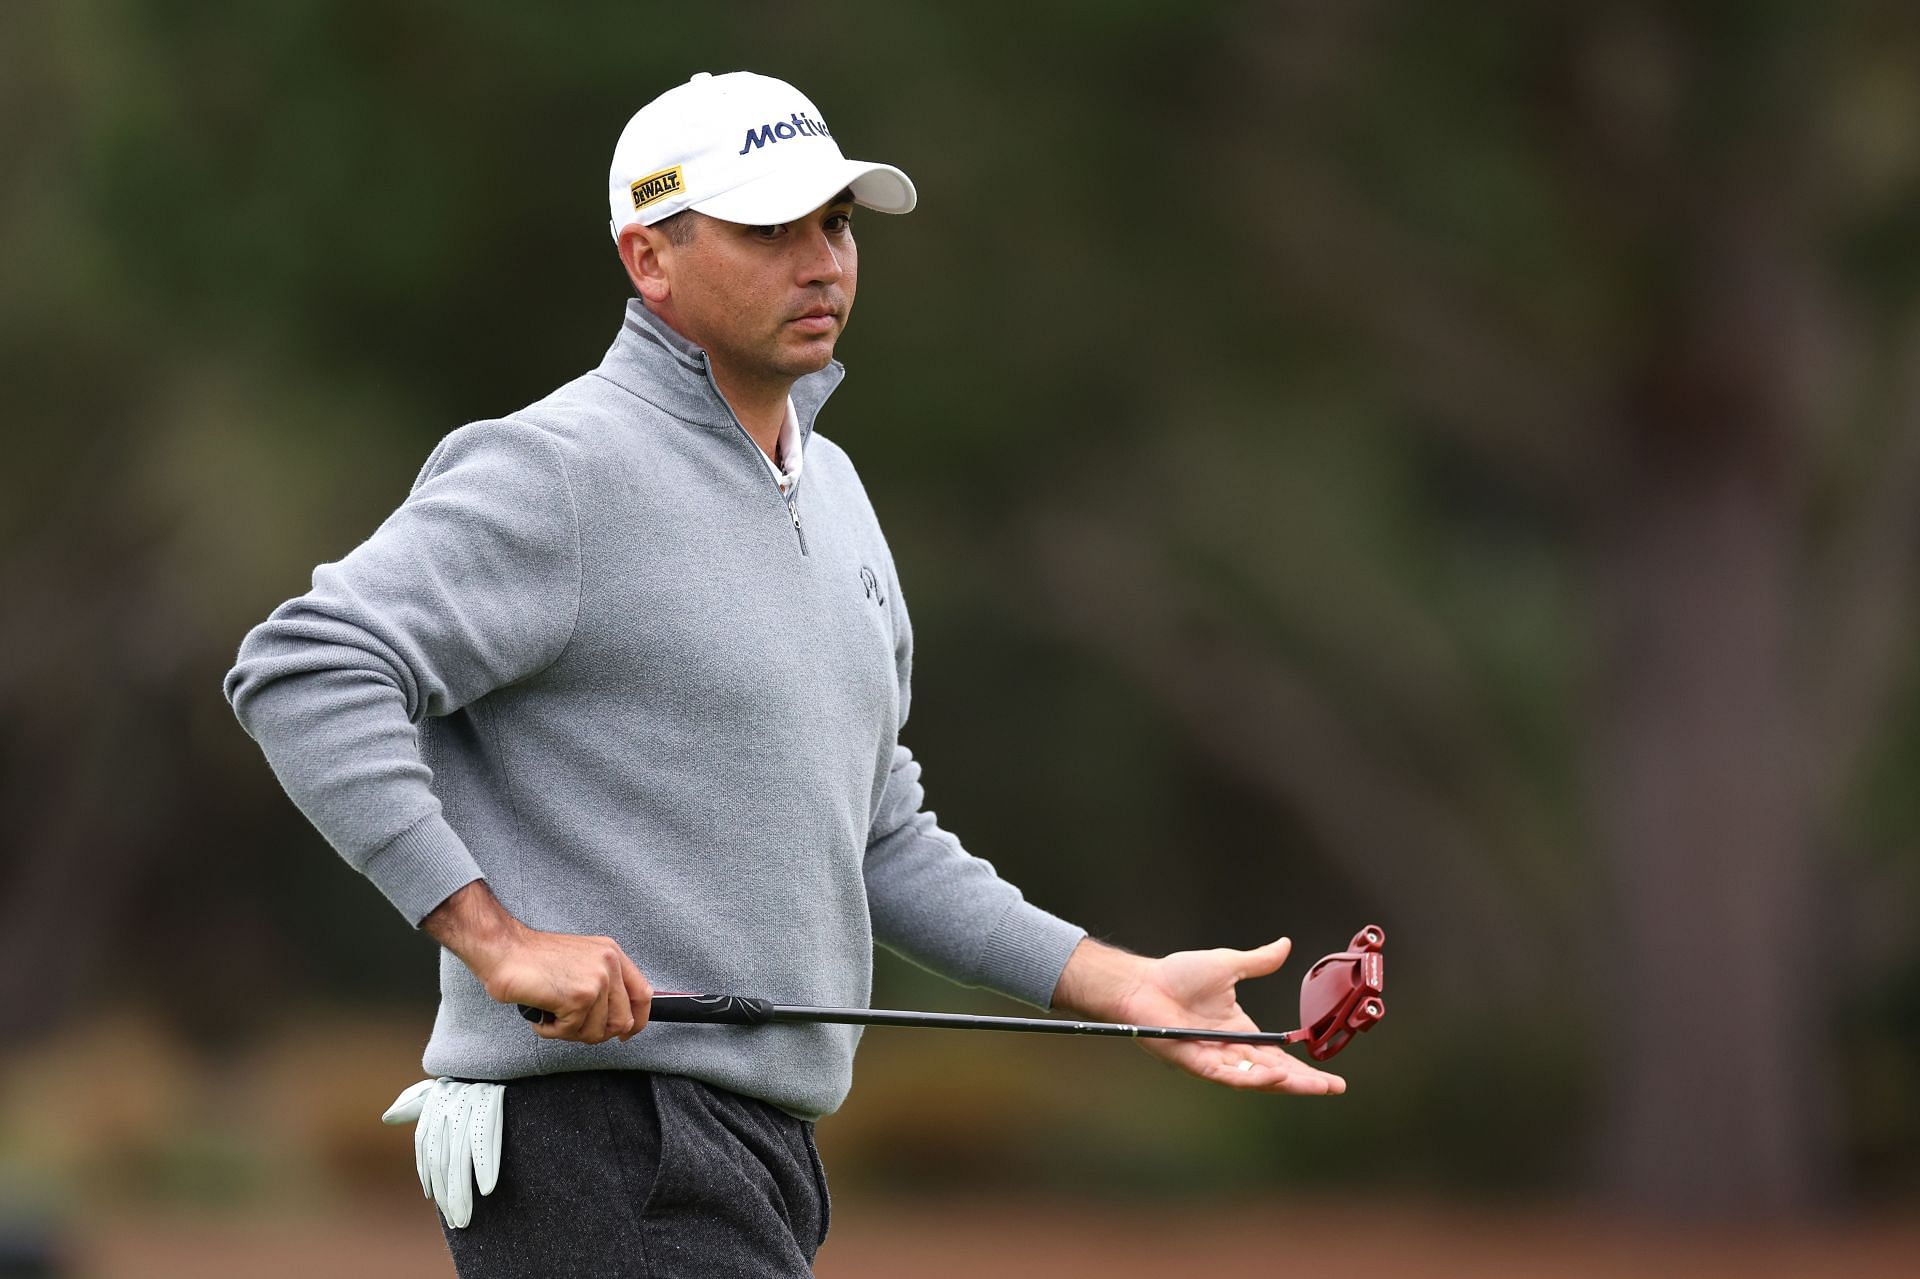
<point>760,405</point>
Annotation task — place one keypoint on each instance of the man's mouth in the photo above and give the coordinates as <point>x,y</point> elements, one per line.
<point>819,319</point>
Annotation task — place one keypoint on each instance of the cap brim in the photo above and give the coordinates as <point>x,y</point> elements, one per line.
<point>787,194</point>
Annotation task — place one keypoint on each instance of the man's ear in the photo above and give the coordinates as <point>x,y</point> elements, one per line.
<point>646,252</point>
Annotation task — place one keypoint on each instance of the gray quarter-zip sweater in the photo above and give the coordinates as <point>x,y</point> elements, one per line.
<point>596,658</point>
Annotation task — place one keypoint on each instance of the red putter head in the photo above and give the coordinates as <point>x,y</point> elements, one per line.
<point>1340,996</point>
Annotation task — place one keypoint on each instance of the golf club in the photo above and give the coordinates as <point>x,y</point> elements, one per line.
<point>1340,997</point>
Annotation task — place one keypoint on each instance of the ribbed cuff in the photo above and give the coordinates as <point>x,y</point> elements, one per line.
<point>422,867</point>
<point>1026,952</point>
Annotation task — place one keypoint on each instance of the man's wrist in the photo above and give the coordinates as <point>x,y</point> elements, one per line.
<point>1099,981</point>
<point>473,925</point>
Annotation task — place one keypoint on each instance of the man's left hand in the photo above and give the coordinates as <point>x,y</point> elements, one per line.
<point>1192,988</point>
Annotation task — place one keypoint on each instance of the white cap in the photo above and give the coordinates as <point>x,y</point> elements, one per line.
<point>742,148</point>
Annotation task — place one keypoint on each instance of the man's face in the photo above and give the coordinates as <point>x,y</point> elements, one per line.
<point>767,302</point>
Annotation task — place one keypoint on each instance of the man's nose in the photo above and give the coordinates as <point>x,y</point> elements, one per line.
<point>819,264</point>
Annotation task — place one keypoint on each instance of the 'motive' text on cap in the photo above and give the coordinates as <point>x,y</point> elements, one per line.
<point>742,148</point>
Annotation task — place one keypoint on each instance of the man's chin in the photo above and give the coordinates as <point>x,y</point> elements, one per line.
<point>810,357</point>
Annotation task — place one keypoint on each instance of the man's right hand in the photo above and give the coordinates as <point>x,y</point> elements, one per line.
<point>593,991</point>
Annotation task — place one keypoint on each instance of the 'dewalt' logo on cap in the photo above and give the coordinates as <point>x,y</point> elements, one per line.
<point>657,186</point>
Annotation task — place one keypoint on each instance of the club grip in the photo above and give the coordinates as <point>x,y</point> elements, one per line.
<point>719,1010</point>
<point>724,1010</point>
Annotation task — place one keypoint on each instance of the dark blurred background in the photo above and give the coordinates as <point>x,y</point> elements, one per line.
<point>1455,466</point>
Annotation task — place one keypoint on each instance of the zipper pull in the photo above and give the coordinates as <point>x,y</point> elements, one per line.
<point>794,511</point>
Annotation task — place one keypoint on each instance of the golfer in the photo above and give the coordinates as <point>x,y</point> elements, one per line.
<point>612,703</point>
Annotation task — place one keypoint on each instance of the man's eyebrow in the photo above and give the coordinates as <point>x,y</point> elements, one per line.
<point>845,197</point>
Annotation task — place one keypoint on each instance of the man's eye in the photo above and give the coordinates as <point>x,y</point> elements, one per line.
<point>840,222</point>
<point>769,232</point>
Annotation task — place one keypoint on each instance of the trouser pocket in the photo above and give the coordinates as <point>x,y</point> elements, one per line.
<point>737,1179</point>
<point>820,1180</point>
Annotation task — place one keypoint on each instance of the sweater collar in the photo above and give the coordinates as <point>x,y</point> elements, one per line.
<point>655,363</point>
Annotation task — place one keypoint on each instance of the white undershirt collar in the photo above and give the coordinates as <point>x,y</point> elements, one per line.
<point>787,473</point>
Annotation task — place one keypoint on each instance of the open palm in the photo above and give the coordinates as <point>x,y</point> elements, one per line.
<point>1197,988</point>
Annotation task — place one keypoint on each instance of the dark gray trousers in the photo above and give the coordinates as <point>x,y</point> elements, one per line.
<point>617,1173</point>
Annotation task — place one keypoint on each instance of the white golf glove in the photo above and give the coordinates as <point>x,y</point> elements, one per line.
<point>456,1140</point>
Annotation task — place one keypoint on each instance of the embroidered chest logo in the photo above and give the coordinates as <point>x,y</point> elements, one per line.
<point>872,586</point>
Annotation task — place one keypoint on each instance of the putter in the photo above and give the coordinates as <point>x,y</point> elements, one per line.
<point>1340,997</point>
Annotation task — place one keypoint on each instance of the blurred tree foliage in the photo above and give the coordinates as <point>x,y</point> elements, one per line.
<point>1452,465</point>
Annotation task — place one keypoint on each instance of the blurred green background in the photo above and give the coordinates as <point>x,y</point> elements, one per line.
<point>1450,466</point>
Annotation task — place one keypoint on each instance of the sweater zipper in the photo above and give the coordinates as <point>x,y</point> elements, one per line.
<point>787,500</point>
<point>793,509</point>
